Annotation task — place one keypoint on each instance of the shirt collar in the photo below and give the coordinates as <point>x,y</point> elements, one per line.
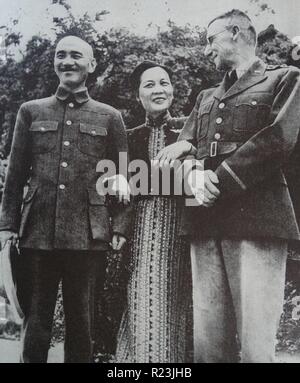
<point>81,96</point>
<point>158,121</point>
<point>244,67</point>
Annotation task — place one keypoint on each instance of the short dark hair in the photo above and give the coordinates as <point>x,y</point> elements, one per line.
<point>135,77</point>
<point>250,36</point>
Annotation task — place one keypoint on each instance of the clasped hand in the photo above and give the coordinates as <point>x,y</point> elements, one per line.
<point>173,152</point>
<point>7,235</point>
<point>202,184</point>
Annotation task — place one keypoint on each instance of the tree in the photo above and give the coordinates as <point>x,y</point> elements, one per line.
<point>262,7</point>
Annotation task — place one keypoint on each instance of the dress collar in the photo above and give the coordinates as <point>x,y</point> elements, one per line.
<point>158,121</point>
<point>81,96</point>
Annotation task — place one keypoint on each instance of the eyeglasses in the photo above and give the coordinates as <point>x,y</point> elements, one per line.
<point>211,38</point>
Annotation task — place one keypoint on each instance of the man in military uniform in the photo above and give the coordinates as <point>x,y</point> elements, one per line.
<point>62,223</point>
<point>244,130</point>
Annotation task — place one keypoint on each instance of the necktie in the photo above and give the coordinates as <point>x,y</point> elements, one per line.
<point>230,80</point>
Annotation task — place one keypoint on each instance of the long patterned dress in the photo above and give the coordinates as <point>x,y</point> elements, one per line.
<point>153,328</point>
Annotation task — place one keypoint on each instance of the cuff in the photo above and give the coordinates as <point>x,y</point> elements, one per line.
<point>230,183</point>
<point>192,151</point>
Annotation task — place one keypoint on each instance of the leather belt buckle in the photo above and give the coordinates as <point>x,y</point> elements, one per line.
<point>213,149</point>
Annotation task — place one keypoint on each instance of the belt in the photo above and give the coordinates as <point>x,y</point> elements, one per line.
<point>221,147</point>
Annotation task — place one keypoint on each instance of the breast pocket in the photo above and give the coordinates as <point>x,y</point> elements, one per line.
<point>203,120</point>
<point>252,112</point>
<point>44,136</point>
<point>92,139</point>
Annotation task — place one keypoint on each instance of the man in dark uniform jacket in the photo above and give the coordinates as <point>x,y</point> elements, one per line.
<point>244,130</point>
<point>62,223</point>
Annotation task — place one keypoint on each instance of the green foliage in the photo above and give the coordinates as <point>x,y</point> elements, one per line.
<point>9,330</point>
<point>262,7</point>
<point>117,52</point>
<point>274,47</point>
<point>289,330</point>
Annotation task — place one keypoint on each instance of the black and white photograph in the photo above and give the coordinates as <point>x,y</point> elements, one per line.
<point>149,183</point>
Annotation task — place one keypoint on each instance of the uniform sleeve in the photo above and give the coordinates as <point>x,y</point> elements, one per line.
<point>121,215</point>
<point>266,151</point>
<point>117,142</point>
<point>189,131</point>
<point>17,173</point>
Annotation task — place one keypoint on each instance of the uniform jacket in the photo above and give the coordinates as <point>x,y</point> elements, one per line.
<point>246,136</point>
<point>138,140</point>
<point>57,144</point>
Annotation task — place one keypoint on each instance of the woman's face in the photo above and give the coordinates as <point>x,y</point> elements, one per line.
<point>155,91</point>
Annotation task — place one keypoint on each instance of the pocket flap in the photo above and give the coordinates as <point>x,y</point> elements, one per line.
<point>206,108</point>
<point>227,147</point>
<point>30,193</point>
<point>255,99</point>
<point>93,130</point>
<point>95,198</point>
<point>43,126</point>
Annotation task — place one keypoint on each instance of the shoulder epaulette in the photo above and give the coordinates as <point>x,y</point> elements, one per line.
<point>136,129</point>
<point>277,66</point>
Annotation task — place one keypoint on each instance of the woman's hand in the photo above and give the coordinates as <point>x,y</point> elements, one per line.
<point>173,152</point>
<point>118,242</point>
<point>202,184</point>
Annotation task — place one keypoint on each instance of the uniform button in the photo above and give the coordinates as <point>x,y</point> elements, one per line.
<point>64,164</point>
<point>71,105</point>
<point>67,143</point>
<point>219,120</point>
<point>62,187</point>
<point>93,132</point>
<point>217,136</point>
<point>42,129</point>
<point>222,105</point>
<point>254,102</point>
<point>69,122</point>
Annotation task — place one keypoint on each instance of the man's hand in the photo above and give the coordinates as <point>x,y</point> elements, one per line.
<point>6,236</point>
<point>118,242</point>
<point>120,188</point>
<point>173,152</point>
<point>202,184</point>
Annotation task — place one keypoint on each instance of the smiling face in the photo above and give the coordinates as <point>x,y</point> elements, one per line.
<point>155,91</point>
<point>73,62</point>
<point>220,47</point>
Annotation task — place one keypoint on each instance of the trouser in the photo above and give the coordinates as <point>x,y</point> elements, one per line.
<point>238,292</point>
<point>40,274</point>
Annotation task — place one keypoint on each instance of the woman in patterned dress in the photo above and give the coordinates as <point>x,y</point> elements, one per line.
<point>153,328</point>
